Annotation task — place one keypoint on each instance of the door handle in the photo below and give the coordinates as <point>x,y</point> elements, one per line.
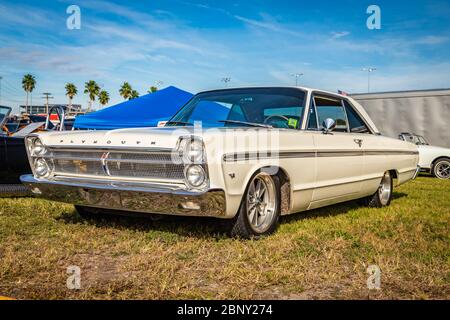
<point>358,142</point>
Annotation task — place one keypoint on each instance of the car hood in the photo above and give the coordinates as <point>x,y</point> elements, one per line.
<point>158,138</point>
<point>163,137</point>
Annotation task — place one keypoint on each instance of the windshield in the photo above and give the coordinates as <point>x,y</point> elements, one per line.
<point>255,107</point>
<point>4,111</point>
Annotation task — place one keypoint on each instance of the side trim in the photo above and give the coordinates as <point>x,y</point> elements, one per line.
<point>234,157</point>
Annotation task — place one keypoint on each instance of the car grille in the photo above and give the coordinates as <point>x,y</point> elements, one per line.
<point>150,165</point>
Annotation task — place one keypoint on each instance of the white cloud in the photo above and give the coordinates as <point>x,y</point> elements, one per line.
<point>337,35</point>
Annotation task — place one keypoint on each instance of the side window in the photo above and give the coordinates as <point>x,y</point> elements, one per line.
<point>331,108</point>
<point>356,124</point>
<point>312,120</point>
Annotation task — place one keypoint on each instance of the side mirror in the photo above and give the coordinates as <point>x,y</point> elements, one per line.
<point>328,125</point>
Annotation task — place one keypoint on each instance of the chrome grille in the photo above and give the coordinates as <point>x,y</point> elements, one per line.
<point>122,164</point>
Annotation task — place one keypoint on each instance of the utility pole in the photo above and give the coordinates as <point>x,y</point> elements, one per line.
<point>369,71</point>
<point>296,75</point>
<point>226,80</point>
<point>47,96</point>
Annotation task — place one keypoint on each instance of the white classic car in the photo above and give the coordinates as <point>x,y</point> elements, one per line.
<point>246,154</point>
<point>433,159</point>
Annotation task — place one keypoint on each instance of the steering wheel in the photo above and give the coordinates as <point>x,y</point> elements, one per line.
<point>283,125</point>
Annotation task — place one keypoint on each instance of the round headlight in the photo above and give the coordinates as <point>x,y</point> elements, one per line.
<point>195,175</point>
<point>38,148</point>
<point>193,151</point>
<point>41,167</point>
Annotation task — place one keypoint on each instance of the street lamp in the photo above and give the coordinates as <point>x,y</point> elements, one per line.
<point>369,71</point>
<point>296,75</point>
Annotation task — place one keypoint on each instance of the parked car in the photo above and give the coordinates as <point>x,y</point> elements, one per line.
<point>260,153</point>
<point>13,156</point>
<point>435,160</point>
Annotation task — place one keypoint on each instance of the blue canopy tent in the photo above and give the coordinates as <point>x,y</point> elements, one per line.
<point>145,111</point>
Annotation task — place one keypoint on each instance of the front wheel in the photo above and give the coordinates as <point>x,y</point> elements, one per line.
<point>383,196</point>
<point>260,208</point>
<point>441,169</point>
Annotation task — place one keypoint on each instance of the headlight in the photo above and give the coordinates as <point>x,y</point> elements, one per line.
<point>192,149</point>
<point>42,168</point>
<point>41,165</point>
<point>38,147</point>
<point>35,146</point>
<point>195,175</point>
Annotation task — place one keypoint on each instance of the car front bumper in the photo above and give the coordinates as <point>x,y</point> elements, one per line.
<point>123,196</point>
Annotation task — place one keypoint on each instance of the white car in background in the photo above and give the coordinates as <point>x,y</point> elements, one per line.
<point>435,160</point>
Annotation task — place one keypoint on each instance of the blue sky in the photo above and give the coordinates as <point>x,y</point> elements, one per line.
<point>193,44</point>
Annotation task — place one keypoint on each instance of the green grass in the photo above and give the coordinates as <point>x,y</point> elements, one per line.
<point>314,255</point>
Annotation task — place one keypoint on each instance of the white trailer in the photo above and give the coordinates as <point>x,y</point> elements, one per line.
<point>424,112</point>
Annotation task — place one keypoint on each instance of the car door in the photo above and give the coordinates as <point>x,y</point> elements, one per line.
<point>339,154</point>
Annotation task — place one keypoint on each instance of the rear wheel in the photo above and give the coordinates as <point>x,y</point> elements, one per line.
<point>260,208</point>
<point>383,196</point>
<point>441,168</point>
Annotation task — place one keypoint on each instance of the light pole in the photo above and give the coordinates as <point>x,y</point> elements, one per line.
<point>158,83</point>
<point>226,80</point>
<point>369,71</point>
<point>296,75</point>
<point>1,89</point>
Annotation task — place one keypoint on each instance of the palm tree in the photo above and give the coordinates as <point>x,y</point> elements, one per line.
<point>152,89</point>
<point>71,91</point>
<point>28,84</point>
<point>134,94</point>
<point>92,88</point>
<point>103,97</point>
<point>126,90</point>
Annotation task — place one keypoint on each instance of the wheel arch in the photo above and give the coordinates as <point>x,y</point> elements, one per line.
<point>437,159</point>
<point>285,185</point>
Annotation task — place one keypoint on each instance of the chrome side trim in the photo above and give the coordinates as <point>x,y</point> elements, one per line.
<point>135,197</point>
<point>233,157</point>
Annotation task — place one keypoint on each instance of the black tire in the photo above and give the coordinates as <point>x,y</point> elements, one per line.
<point>437,165</point>
<point>377,200</point>
<point>241,226</point>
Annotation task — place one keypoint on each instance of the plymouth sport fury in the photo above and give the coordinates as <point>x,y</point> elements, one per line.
<point>247,155</point>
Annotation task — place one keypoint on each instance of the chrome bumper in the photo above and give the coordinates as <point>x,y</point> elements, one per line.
<point>129,197</point>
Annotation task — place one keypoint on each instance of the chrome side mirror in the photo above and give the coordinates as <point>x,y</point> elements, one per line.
<point>328,125</point>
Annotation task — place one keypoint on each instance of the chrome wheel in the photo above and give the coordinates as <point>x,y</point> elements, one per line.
<point>261,202</point>
<point>442,169</point>
<point>385,189</point>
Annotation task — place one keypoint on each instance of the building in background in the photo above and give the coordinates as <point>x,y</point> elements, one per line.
<point>42,109</point>
<point>424,112</point>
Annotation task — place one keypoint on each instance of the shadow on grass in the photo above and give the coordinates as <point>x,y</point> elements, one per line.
<point>199,227</point>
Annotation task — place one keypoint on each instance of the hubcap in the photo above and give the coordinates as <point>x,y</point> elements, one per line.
<point>384,190</point>
<point>443,170</point>
<point>261,202</point>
